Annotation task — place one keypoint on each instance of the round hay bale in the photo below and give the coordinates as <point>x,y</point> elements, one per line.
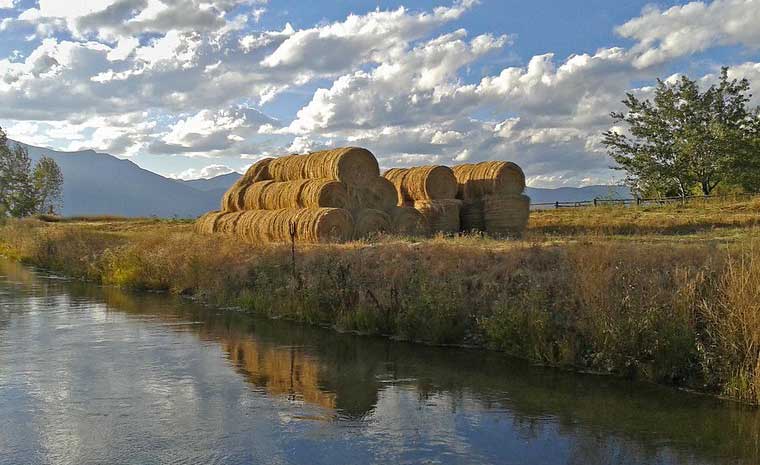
<point>206,223</point>
<point>423,183</point>
<point>232,200</point>
<point>369,222</point>
<point>379,194</point>
<point>471,216</point>
<point>281,195</point>
<point>325,225</point>
<point>226,199</point>
<point>304,193</point>
<point>408,221</point>
<point>396,177</point>
<point>477,180</point>
<point>253,196</point>
<point>442,215</point>
<point>259,171</point>
<point>506,215</point>
<point>227,222</point>
<point>324,193</point>
<point>353,166</point>
<point>311,225</point>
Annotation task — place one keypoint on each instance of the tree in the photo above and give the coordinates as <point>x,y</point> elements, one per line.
<point>746,165</point>
<point>17,197</point>
<point>24,191</point>
<point>684,138</point>
<point>48,182</point>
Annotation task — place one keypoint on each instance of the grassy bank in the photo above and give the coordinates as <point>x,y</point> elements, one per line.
<point>670,304</point>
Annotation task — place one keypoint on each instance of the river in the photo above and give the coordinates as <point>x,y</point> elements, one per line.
<point>95,375</point>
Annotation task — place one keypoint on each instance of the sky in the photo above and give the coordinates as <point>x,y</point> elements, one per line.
<point>198,88</point>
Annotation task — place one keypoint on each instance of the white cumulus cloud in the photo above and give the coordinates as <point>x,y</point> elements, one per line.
<point>694,27</point>
<point>207,172</point>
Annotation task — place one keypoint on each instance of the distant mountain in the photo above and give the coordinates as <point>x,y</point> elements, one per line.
<point>223,182</point>
<point>577,194</point>
<point>100,184</point>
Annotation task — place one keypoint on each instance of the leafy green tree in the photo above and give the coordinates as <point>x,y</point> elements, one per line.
<point>685,138</point>
<point>746,165</point>
<point>24,191</point>
<point>48,184</point>
<point>17,196</point>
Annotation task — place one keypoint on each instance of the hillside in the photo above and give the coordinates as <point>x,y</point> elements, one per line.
<point>218,183</point>
<point>100,184</point>
<point>577,194</point>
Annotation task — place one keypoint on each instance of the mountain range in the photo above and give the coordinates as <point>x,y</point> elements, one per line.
<point>101,184</point>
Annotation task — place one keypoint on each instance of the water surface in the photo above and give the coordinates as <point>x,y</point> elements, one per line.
<point>92,375</point>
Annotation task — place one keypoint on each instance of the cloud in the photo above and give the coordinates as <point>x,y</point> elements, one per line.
<point>207,172</point>
<point>124,134</point>
<point>191,78</point>
<point>113,19</point>
<point>169,74</point>
<point>415,110</point>
<point>373,37</point>
<point>418,86</point>
<point>694,27</point>
<point>7,4</point>
<point>208,132</point>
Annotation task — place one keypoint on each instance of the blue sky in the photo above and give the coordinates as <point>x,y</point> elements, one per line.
<point>193,88</point>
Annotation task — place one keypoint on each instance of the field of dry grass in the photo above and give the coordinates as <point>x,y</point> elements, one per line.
<point>668,294</point>
<point>696,220</point>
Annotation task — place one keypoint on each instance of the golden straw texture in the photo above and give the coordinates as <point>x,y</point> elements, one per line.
<point>305,193</point>
<point>351,165</point>
<point>422,183</point>
<point>471,216</point>
<point>488,178</point>
<point>441,215</point>
<point>232,199</point>
<point>506,215</point>
<point>259,171</point>
<point>311,225</point>
<point>227,222</point>
<point>408,221</point>
<point>378,194</point>
<point>206,224</point>
<point>369,222</point>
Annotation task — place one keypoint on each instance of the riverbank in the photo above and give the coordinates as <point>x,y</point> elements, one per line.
<point>671,296</point>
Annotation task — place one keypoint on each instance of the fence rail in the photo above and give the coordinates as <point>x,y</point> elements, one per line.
<point>597,202</point>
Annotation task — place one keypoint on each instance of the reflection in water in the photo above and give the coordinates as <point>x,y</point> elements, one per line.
<point>280,371</point>
<point>95,375</point>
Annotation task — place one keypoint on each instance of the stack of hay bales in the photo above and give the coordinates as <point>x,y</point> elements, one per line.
<point>327,196</point>
<point>492,198</point>
<point>337,195</point>
<point>431,190</point>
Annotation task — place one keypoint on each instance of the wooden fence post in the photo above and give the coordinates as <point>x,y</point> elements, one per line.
<point>292,230</point>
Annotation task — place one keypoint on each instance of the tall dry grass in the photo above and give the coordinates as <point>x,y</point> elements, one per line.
<point>733,326</point>
<point>677,313</point>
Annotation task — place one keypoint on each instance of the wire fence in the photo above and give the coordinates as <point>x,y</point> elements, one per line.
<point>640,201</point>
